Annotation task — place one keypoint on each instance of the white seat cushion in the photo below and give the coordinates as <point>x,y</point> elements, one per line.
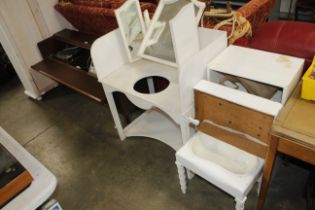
<point>221,164</point>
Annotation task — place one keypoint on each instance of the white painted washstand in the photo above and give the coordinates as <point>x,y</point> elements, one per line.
<point>171,46</point>
<point>234,125</point>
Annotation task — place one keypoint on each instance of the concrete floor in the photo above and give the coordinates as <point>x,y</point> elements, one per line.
<point>75,138</point>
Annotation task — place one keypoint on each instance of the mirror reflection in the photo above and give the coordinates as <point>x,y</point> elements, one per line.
<point>160,43</point>
<point>131,26</point>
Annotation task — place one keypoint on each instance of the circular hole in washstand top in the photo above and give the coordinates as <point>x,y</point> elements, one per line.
<point>151,84</point>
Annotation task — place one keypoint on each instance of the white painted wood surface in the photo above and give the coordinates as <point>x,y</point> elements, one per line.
<point>53,20</point>
<point>187,34</point>
<point>39,18</point>
<point>212,42</point>
<point>155,124</point>
<point>234,184</point>
<point>20,35</point>
<point>23,34</point>
<point>124,79</point>
<point>206,155</point>
<point>43,184</point>
<point>23,25</point>
<point>184,34</point>
<point>108,54</point>
<point>200,7</point>
<point>14,56</point>
<point>123,23</point>
<point>182,177</point>
<point>153,26</point>
<point>241,98</point>
<point>270,68</point>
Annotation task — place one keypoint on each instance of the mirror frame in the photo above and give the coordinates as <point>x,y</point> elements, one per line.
<point>120,21</point>
<point>155,19</point>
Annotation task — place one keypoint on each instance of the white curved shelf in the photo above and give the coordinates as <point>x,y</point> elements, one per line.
<point>157,125</point>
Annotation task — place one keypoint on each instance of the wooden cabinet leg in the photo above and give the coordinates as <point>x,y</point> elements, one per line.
<point>269,162</point>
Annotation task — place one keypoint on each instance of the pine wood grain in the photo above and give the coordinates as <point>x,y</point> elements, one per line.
<point>231,115</point>
<point>237,140</point>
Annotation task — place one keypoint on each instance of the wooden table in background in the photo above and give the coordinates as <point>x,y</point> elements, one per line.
<point>293,133</point>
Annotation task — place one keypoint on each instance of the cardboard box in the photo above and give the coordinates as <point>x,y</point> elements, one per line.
<point>308,85</point>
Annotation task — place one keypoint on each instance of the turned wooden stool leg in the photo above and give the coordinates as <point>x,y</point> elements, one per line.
<point>182,177</point>
<point>240,204</point>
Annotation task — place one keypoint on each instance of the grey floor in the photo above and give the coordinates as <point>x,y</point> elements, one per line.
<point>75,138</point>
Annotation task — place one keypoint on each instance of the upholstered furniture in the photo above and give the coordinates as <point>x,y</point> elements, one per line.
<point>285,37</point>
<point>96,16</point>
<point>256,11</point>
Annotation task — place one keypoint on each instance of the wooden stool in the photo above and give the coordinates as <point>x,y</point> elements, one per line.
<point>227,119</point>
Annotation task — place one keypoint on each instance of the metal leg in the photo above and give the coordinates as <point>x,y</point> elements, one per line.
<point>182,177</point>
<point>240,204</point>
<point>113,109</point>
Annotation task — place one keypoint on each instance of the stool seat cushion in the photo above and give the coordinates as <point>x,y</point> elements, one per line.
<point>218,172</point>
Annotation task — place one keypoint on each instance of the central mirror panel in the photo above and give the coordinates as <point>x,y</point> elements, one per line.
<point>158,44</point>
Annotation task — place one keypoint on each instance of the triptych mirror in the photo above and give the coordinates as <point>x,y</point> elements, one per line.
<point>155,42</point>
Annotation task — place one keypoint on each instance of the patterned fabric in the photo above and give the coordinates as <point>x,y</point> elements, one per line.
<point>106,4</point>
<point>255,11</point>
<point>96,16</point>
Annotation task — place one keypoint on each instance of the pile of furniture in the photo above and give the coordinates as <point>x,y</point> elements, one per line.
<point>255,11</point>
<point>168,121</point>
<point>96,16</point>
<point>223,113</point>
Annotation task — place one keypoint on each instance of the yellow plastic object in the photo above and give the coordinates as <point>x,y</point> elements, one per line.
<point>308,85</point>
